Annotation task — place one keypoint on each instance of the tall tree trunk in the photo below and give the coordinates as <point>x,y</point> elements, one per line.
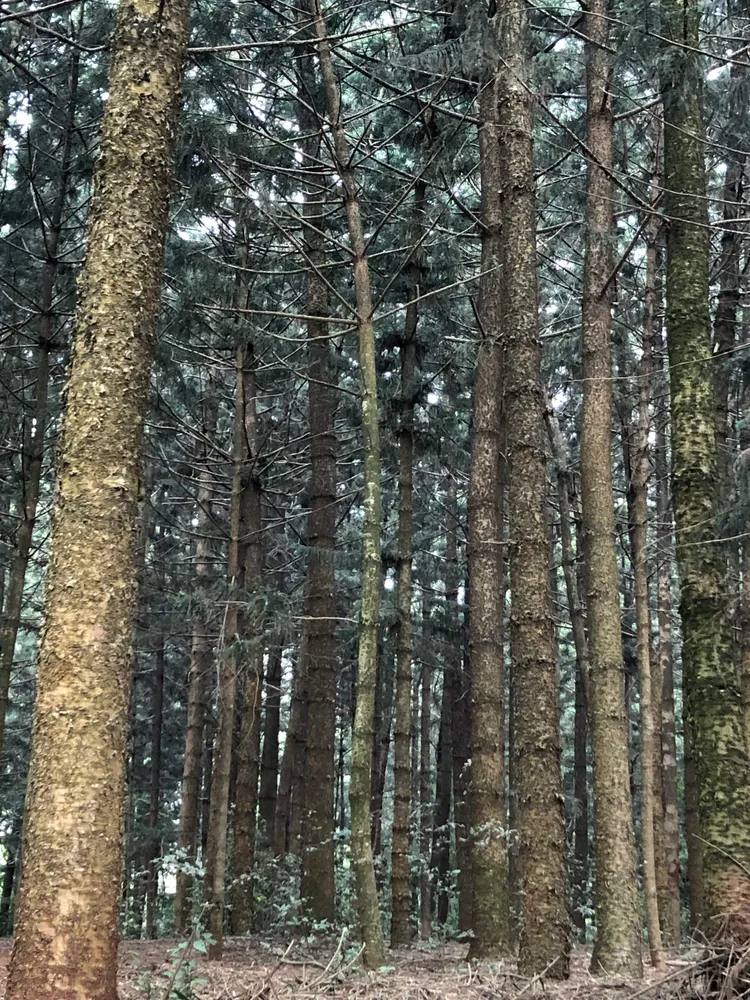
<point>670,910</point>
<point>488,843</point>
<point>441,833</point>
<point>618,941</point>
<point>250,630</point>
<point>713,703</point>
<point>462,743</point>
<point>201,659</point>
<point>35,437</point>
<point>319,641</point>
<point>229,669</point>
<point>269,762</point>
<point>382,740</point>
<point>294,747</point>
<point>425,801</point>
<point>67,927</point>
<point>650,704</point>
<point>153,846</point>
<point>359,788</point>
<point>544,943</point>
<point>400,892</point>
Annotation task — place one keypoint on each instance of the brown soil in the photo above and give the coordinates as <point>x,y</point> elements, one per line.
<point>253,971</point>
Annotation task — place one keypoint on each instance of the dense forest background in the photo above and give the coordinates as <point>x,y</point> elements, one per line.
<point>552,209</point>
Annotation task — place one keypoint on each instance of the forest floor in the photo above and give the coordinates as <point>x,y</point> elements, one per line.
<point>251,970</point>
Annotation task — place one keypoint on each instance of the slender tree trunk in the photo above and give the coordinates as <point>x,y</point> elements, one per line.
<point>269,764</point>
<point>226,696</point>
<point>67,927</point>
<point>544,942</point>
<point>400,892</point>
<point>359,788</point>
<point>461,779</point>
<point>713,703</point>
<point>201,659</point>
<point>35,437</point>
<point>441,836</point>
<point>12,848</point>
<point>157,705</point>
<point>425,802</point>
<point>294,745</point>
<point>649,705</point>
<point>671,910</point>
<point>618,941</point>
<point>319,642</point>
<point>250,629</point>
<point>488,841</point>
<point>382,744</point>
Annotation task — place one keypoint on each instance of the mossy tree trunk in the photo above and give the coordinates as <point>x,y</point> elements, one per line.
<point>544,941</point>
<point>368,911</point>
<point>67,927</point>
<point>618,941</point>
<point>714,710</point>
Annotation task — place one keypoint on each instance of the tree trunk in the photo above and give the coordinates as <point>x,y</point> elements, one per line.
<point>250,628</point>
<point>294,746</point>
<point>544,942</point>
<point>618,941</point>
<point>650,706</point>
<point>67,927</point>
<point>36,434</point>
<point>269,764</point>
<point>400,891</point>
<point>487,777</point>
<point>201,659</point>
<point>318,885</point>
<point>425,802</point>
<point>713,702</point>
<point>359,788</point>
<point>670,909</point>
<point>461,779</point>
<point>157,705</point>
<point>226,696</point>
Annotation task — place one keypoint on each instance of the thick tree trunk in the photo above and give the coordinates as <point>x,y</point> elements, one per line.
<point>713,701</point>
<point>544,943</point>
<point>359,789</point>
<point>319,641</point>
<point>618,941</point>
<point>488,842</point>
<point>67,928</point>
<point>36,435</point>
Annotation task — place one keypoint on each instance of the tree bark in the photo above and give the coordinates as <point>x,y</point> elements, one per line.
<point>670,908</point>
<point>400,891</point>
<point>250,627</point>
<point>226,695</point>
<point>359,788</point>
<point>713,701</point>
<point>487,776</point>
<point>269,764</point>
<point>618,941</point>
<point>201,659</point>
<point>544,943</point>
<point>319,641</point>
<point>67,928</point>
<point>425,801</point>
